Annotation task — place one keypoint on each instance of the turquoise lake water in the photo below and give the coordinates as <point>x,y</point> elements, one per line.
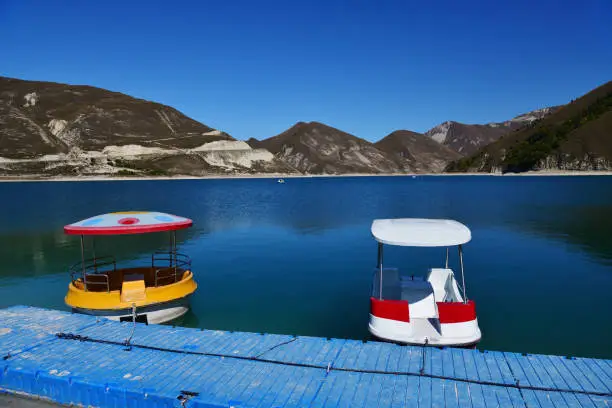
<point>297,258</point>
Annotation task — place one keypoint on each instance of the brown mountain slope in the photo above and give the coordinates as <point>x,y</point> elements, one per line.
<point>46,117</point>
<point>423,154</point>
<point>467,139</point>
<point>577,136</point>
<point>56,129</point>
<point>316,148</point>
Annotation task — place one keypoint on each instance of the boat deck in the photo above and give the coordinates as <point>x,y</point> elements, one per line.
<point>78,359</point>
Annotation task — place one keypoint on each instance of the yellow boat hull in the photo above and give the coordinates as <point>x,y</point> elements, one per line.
<point>113,304</point>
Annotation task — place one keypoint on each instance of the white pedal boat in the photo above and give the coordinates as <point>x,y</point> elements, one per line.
<point>432,310</point>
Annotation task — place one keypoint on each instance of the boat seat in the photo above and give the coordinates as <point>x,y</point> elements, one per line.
<point>391,288</point>
<point>133,288</point>
<point>420,297</point>
<point>411,278</point>
<point>439,278</point>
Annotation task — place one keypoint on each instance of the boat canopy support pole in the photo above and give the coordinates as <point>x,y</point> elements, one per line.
<point>174,250</point>
<point>462,274</point>
<point>380,269</point>
<point>170,258</point>
<point>93,250</point>
<point>83,261</point>
<point>446,258</point>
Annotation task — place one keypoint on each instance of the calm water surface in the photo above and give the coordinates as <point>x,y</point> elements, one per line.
<point>297,258</point>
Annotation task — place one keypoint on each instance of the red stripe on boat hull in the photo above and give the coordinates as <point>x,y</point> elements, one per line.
<point>390,309</point>
<point>456,312</point>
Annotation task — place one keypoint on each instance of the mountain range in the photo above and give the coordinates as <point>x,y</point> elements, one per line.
<point>468,139</point>
<point>51,129</point>
<point>315,148</point>
<point>576,136</point>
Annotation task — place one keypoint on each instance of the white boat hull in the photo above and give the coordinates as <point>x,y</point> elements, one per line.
<point>425,332</point>
<point>150,314</point>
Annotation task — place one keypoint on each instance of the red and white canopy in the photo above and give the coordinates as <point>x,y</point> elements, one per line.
<point>128,222</point>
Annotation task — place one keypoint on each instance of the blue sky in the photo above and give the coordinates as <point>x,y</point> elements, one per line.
<point>254,68</point>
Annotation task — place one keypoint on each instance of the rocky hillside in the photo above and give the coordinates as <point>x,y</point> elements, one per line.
<point>422,153</point>
<point>467,139</point>
<point>51,129</point>
<point>56,129</point>
<point>315,148</point>
<point>578,136</point>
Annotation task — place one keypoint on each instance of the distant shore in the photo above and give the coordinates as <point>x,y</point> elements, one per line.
<point>283,176</point>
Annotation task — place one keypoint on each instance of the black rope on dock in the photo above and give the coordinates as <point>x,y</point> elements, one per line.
<point>423,361</point>
<point>70,336</point>
<point>274,347</point>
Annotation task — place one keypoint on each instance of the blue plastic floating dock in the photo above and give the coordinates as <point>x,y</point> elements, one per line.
<point>76,359</point>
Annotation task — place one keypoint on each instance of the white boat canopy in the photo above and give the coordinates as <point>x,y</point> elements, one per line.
<point>420,232</point>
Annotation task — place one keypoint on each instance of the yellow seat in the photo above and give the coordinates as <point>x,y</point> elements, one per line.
<point>133,288</point>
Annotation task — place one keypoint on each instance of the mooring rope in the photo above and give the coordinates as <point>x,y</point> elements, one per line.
<point>127,341</point>
<point>424,351</point>
<point>517,385</point>
<point>275,346</point>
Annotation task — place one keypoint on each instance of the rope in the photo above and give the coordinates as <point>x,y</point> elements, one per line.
<point>70,336</point>
<point>127,341</point>
<point>422,370</point>
<point>184,396</point>
<point>276,346</point>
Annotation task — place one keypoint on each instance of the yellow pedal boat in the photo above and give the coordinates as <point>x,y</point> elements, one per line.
<point>153,293</point>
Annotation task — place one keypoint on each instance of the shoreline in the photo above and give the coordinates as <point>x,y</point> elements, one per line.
<point>5,179</point>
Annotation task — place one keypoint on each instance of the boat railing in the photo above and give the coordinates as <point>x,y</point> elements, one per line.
<point>167,267</point>
<point>177,263</point>
<point>91,267</point>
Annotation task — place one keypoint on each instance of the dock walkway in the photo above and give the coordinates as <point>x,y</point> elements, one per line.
<point>77,359</point>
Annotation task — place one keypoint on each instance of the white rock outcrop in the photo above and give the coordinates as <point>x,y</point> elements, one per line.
<point>222,145</point>
<point>30,99</point>
<point>132,150</point>
<point>56,126</point>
